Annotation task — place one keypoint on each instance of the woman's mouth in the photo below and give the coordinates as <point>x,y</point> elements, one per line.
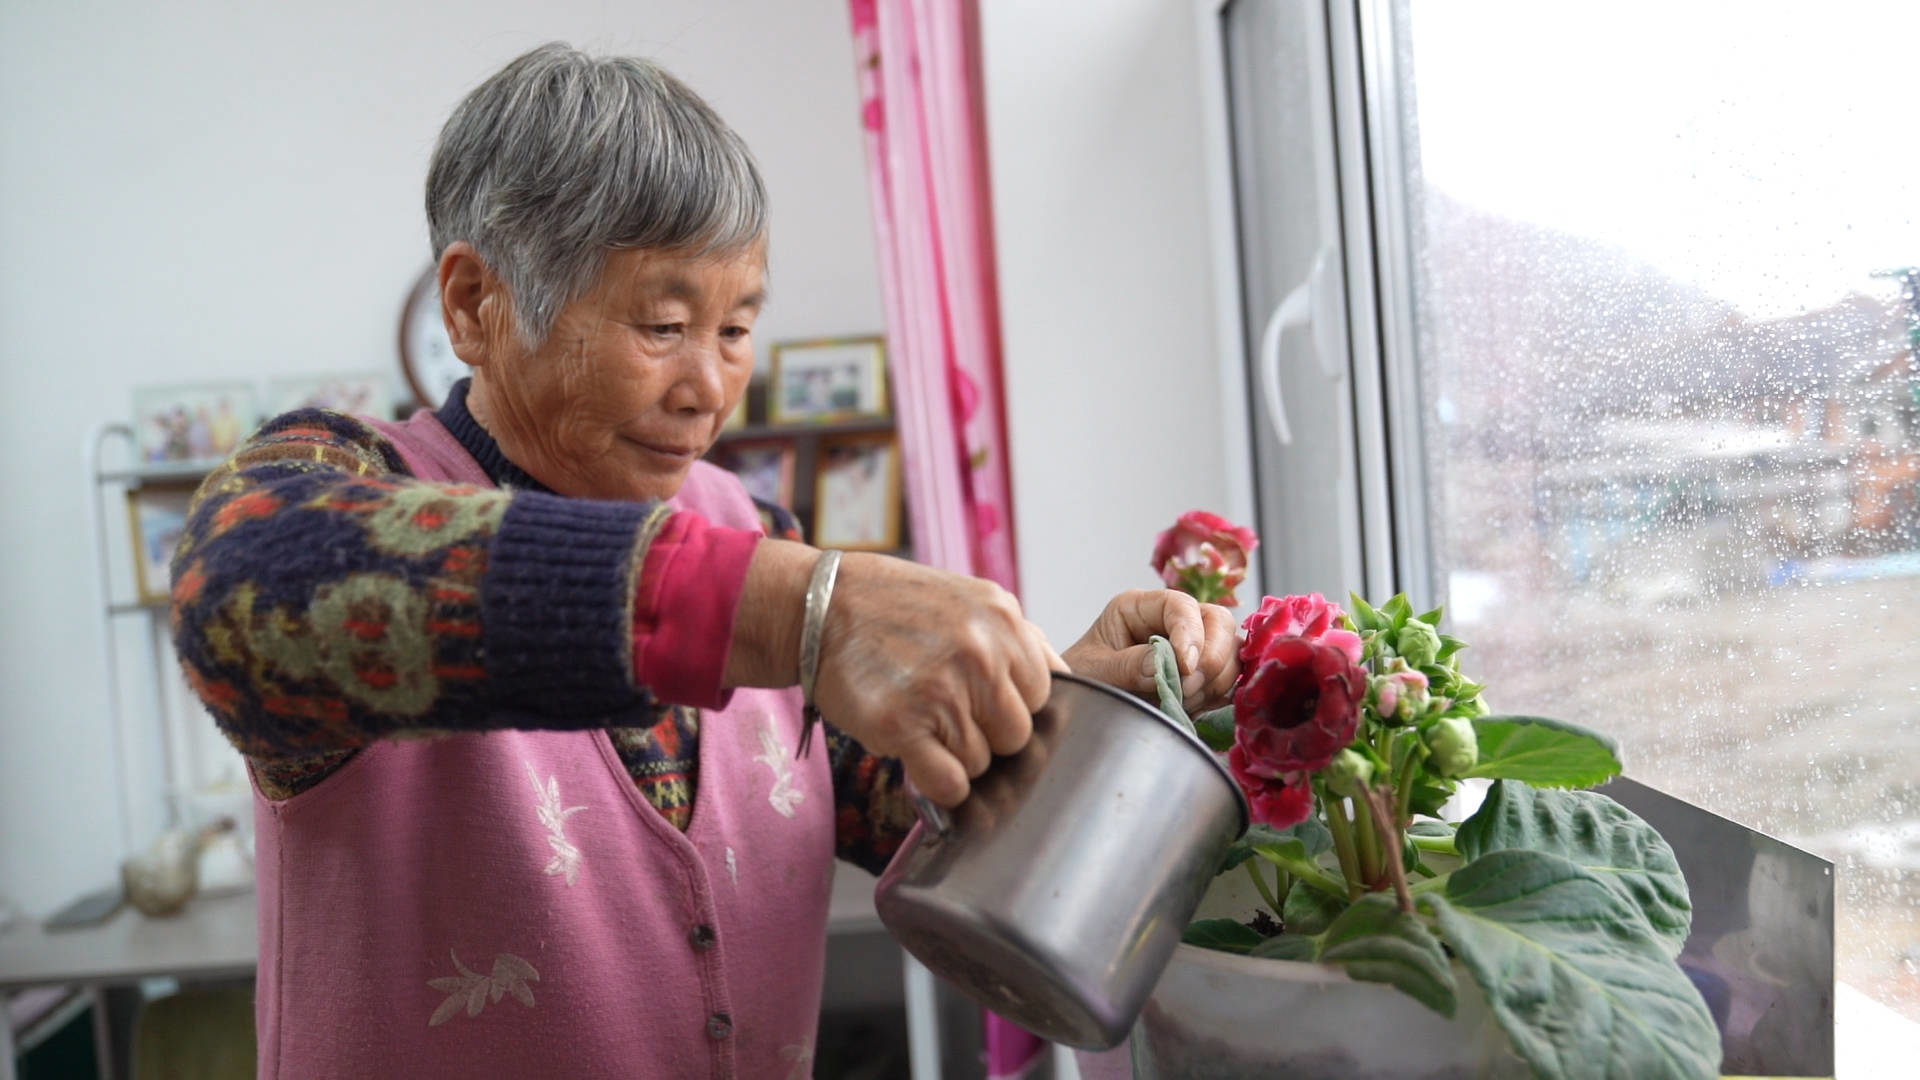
<point>676,451</point>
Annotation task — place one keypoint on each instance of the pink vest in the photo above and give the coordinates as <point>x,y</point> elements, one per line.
<point>507,904</point>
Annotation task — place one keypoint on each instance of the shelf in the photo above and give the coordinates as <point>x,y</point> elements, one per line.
<point>155,474</point>
<point>864,426</point>
<point>136,607</point>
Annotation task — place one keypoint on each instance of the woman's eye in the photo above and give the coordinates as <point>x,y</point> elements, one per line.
<point>734,333</point>
<point>663,329</point>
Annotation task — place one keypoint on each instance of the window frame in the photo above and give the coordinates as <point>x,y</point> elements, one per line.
<point>1366,40</point>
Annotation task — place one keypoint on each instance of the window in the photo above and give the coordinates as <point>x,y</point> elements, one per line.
<point>1625,309</point>
<point>1666,329</point>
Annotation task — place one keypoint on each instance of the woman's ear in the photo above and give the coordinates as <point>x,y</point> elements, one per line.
<point>467,291</point>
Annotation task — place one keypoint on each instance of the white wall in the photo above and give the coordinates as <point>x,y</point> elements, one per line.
<point>202,191</point>
<point>1113,389</point>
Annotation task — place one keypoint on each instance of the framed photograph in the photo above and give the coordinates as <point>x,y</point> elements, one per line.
<point>821,381</point>
<point>200,424</point>
<point>764,466</point>
<point>857,493</point>
<point>157,515</point>
<point>368,393</point>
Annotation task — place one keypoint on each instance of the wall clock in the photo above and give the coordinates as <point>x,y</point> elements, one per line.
<point>426,355</point>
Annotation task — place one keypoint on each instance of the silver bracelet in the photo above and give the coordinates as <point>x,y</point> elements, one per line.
<point>819,594</point>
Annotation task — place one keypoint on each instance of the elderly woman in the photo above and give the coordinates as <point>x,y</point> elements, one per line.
<point>537,793</point>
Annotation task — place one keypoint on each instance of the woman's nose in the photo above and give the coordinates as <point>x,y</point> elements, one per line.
<point>701,387</point>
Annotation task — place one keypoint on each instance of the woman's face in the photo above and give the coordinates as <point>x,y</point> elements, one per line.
<point>635,380</point>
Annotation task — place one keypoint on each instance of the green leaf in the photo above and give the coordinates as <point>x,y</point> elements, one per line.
<point>1307,910</point>
<point>1543,752</point>
<point>1398,610</point>
<point>1430,827</point>
<point>1299,842</point>
<point>1166,681</point>
<point>1311,834</point>
<point>1223,935</point>
<point>1314,833</point>
<point>1596,834</point>
<point>1290,854</point>
<point>1448,646</point>
<point>1215,728</point>
<point>1574,975</point>
<point>1285,947</point>
<point>1286,849</point>
<point>1377,942</point>
<point>1405,741</point>
<point>1432,618</point>
<point>1429,793</point>
<point>1365,616</point>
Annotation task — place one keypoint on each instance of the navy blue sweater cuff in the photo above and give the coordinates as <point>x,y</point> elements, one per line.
<point>558,606</point>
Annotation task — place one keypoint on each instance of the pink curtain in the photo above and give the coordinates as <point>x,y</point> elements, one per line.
<point>926,167</point>
<point>918,64</point>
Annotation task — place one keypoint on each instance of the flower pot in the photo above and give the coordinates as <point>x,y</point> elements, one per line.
<point>1223,1016</point>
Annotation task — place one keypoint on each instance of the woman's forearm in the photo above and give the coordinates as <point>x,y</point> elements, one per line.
<point>766,630</point>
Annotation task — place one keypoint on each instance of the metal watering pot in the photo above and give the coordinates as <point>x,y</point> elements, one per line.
<point>1056,893</point>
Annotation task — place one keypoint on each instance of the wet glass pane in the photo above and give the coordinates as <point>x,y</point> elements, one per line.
<point>1666,342</point>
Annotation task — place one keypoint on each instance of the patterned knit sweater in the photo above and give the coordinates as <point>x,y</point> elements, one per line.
<point>323,599</point>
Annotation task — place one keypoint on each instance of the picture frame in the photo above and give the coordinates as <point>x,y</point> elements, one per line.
<point>192,424</point>
<point>817,382</point>
<point>765,467</point>
<point>856,503</point>
<point>156,517</point>
<point>356,393</point>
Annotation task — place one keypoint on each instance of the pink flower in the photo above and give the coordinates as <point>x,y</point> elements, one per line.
<point>1205,556</point>
<point>1298,708</point>
<point>1278,801</point>
<point>1311,617</point>
<point>1400,694</point>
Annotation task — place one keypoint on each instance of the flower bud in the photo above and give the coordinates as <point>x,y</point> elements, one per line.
<point>1348,773</point>
<point>1454,746</point>
<point>1418,642</point>
<point>1400,694</point>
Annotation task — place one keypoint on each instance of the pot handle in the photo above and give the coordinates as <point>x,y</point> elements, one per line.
<point>938,822</point>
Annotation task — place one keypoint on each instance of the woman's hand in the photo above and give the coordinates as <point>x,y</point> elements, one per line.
<point>1115,650</point>
<point>939,670</point>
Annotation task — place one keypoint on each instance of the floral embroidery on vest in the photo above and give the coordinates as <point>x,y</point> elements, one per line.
<point>784,797</point>
<point>566,857</point>
<point>474,990</point>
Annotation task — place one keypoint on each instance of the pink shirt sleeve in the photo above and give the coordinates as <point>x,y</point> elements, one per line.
<point>684,605</point>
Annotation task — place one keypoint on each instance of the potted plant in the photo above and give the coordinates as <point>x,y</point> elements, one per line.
<point>1354,931</point>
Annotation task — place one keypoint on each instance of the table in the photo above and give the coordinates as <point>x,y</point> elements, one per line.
<point>213,939</point>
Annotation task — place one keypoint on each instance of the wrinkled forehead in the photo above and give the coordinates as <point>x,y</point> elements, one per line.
<point>728,280</point>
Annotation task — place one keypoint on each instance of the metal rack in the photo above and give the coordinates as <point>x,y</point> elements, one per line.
<point>106,480</point>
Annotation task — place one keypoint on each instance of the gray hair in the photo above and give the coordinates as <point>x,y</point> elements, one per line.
<point>561,157</point>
